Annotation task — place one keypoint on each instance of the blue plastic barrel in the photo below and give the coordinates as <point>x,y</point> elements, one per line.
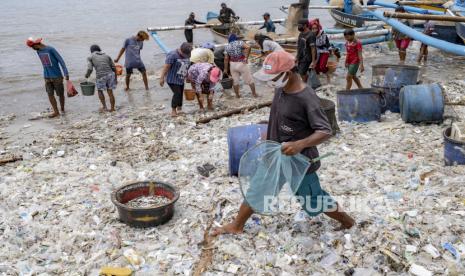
<point>359,105</point>
<point>240,139</point>
<point>390,78</point>
<point>421,103</point>
<point>454,151</point>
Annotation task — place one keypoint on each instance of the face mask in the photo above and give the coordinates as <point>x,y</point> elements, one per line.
<point>280,83</point>
<point>300,28</point>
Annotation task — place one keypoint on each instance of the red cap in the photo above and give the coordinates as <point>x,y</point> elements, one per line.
<point>33,41</point>
<point>274,64</point>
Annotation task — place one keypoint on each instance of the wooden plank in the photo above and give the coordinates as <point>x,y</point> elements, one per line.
<point>233,112</point>
<point>10,160</point>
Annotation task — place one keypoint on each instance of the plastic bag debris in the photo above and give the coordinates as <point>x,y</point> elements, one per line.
<point>419,270</point>
<point>134,258</point>
<point>329,260</point>
<point>430,249</point>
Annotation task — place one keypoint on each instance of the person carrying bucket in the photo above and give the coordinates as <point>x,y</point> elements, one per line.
<point>132,46</point>
<point>204,77</point>
<point>354,58</point>
<point>53,65</point>
<point>236,64</point>
<point>298,122</point>
<point>105,71</point>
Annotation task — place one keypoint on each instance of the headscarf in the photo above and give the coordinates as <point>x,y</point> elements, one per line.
<point>232,37</point>
<point>316,22</point>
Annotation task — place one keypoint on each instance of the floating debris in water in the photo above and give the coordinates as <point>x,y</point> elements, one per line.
<point>148,201</point>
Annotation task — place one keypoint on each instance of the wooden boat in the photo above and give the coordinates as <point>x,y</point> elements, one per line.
<point>220,35</point>
<point>447,31</point>
<point>459,26</point>
<point>351,20</point>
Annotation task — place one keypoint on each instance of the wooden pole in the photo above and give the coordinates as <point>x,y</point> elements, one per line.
<point>371,7</point>
<point>424,17</point>
<point>190,27</point>
<point>233,112</point>
<point>10,160</point>
<point>418,3</point>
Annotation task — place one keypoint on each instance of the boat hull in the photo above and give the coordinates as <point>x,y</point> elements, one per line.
<point>350,20</point>
<point>459,26</point>
<point>447,33</point>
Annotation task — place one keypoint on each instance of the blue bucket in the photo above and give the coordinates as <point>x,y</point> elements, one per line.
<point>241,139</point>
<point>359,105</point>
<point>454,151</point>
<point>390,78</point>
<point>422,103</point>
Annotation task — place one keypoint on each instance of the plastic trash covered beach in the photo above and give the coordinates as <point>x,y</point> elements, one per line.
<point>56,216</point>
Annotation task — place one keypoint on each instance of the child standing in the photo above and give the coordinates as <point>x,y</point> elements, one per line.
<point>105,72</point>
<point>354,58</point>
<point>429,29</point>
<point>402,41</point>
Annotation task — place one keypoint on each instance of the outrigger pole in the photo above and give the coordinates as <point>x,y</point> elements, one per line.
<point>204,26</point>
<point>153,30</point>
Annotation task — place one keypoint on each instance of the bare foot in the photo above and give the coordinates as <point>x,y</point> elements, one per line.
<point>112,110</point>
<point>126,89</point>
<point>174,114</point>
<point>147,88</point>
<point>53,115</point>
<point>229,228</point>
<point>102,109</point>
<point>255,95</point>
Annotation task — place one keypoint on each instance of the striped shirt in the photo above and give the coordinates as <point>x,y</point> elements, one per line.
<point>178,70</point>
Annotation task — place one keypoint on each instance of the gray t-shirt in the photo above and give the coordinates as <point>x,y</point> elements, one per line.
<point>102,63</point>
<point>296,116</point>
<point>132,58</point>
<point>271,46</point>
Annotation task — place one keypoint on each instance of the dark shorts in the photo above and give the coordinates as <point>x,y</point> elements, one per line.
<point>130,70</point>
<point>304,67</point>
<point>55,86</point>
<point>353,69</point>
